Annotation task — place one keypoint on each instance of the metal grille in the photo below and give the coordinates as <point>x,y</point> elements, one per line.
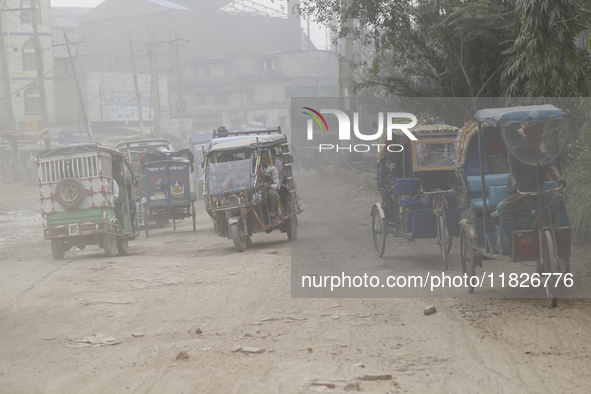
<point>51,171</point>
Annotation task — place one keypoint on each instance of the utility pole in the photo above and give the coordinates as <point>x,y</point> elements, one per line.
<point>155,82</point>
<point>9,108</point>
<point>181,103</point>
<point>101,99</point>
<point>86,121</point>
<point>138,96</point>
<point>39,61</point>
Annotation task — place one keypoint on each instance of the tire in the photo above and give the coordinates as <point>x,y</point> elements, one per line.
<point>549,265</point>
<point>291,228</point>
<point>56,250</point>
<point>194,215</point>
<point>122,247</point>
<point>468,259</point>
<point>238,236</point>
<point>110,245</point>
<point>444,241</point>
<point>378,229</point>
<point>70,193</point>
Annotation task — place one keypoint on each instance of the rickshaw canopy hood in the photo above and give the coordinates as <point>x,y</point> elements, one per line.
<point>70,150</point>
<point>264,141</point>
<point>511,115</point>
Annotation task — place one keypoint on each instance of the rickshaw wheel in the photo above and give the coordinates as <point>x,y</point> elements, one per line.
<point>56,250</point>
<point>122,247</point>
<point>444,241</point>
<point>194,215</point>
<point>238,236</point>
<point>550,266</point>
<point>468,259</point>
<point>146,217</point>
<point>378,228</point>
<point>110,245</point>
<point>291,227</point>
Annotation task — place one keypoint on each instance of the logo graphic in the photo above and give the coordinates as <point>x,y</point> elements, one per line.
<point>315,118</point>
<point>345,124</point>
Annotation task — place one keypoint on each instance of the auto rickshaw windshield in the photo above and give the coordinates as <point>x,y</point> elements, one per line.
<point>229,176</point>
<point>536,143</point>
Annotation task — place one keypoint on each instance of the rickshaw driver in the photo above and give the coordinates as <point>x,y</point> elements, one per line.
<point>271,185</point>
<point>516,213</point>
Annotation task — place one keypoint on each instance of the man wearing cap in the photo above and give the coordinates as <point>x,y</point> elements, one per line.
<point>514,213</point>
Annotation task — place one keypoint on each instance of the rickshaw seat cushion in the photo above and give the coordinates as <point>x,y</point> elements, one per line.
<point>474,183</point>
<point>404,185</point>
<point>416,202</point>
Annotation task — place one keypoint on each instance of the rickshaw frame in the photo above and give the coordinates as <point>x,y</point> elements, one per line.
<point>472,253</point>
<point>85,172</point>
<point>387,216</point>
<point>248,212</point>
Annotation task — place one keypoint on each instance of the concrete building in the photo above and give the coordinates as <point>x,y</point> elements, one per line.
<point>239,64</point>
<point>22,64</point>
<point>236,91</point>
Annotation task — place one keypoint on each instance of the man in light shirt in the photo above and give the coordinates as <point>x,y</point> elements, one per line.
<point>272,185</point>
<point>279,165</point>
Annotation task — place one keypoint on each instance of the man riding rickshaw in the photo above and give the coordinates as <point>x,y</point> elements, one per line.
<point>515,212</point>
<point>515,208</point>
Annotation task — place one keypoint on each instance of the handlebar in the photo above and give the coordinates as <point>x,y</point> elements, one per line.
<point>439,191</point>
<point>542,192</point>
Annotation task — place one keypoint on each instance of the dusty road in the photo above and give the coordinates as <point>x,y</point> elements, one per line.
<point>149,305</point>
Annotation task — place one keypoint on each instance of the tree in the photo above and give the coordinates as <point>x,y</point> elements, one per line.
<point>546,57</point>
<point>428,48</point>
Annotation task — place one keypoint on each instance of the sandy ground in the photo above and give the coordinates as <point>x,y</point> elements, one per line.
<point>180,291</point>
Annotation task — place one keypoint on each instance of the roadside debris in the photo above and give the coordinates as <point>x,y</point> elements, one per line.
<point>376,377</point>
<point>94,340</point>
<point>352,386</point>
<point>182,356</point>
<point>195,331</point>
<point>431,310</point>
<point>246,349</point>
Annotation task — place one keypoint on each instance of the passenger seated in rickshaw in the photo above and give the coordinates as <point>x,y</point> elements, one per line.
<point>438,180</point>
<point>277,163</point>
<point>516,213</point>
<point>271,186</point>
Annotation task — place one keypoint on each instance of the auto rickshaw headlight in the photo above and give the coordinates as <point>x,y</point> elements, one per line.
<point>233,200</point>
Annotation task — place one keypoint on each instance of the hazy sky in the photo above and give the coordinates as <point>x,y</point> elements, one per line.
<point>317,34</point>
<point>94,3</point>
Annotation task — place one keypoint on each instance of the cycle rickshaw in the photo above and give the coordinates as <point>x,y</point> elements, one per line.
<point>235,194</point>
<point>170,187</point>
<point>483,146</point>
<point>401,212</point>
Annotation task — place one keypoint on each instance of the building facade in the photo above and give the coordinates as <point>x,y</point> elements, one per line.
<point>237,91</point>
<point>21,60</point>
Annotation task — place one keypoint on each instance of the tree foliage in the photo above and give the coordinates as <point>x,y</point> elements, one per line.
<point>466,48</point>
<point>547,58</point>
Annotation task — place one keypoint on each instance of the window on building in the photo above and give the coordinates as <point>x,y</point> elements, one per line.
<point>268,64</point>
<point>26,12</point>
<point>29,59</point>
<point>221,98</point>
<point>32,100</point>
